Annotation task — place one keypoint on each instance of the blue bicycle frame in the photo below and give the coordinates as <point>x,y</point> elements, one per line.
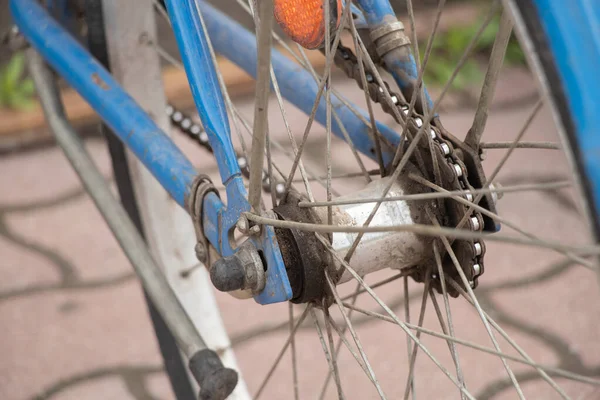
<point>176,174</point>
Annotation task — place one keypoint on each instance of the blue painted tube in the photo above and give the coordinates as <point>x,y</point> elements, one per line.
<point>204,83</point>
<point>296,84</point>
<point>401,64</point>
<point>125,117</point>
<point>377,12</point>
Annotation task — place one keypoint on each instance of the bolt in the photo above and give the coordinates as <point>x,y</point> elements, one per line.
<point>200,252</point>
<point>243,225</point>
<point>243,270</point>
<point>255,230</point>
<point>482,154</point>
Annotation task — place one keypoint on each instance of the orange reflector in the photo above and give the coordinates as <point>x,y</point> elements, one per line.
<point>302,20</point>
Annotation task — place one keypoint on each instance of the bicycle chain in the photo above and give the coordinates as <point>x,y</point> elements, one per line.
<point>185,124</point>
<point>470,253</point>
<point>454,174</point>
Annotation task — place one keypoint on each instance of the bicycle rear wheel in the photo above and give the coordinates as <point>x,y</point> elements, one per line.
<point>357,344</point>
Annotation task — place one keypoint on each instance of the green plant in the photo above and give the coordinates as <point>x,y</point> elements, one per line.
<point>449,46</point>
<point>16,91</point>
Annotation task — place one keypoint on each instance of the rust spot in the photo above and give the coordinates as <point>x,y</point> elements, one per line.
<point>98,81</point>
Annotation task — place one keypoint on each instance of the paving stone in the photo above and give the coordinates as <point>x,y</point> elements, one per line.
<point>44,174</point>
<point>100,328</point>
<point>76,231</point>
<point>21,268</point>
<point>52,336</point>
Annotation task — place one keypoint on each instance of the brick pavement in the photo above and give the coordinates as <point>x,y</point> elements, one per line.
<point>74,325</point>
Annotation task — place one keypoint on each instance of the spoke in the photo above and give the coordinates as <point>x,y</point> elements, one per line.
<point>339,176</point>
<point>293,351</point>
<point>443,195</point>
<point>167,56</point>
<point>451,345</point>
<point>553,370</point>
<point>428,116</point>
<point>291,137</point>
<point>486,324</point>
<point>542,370</point>
<point>373,69</point>
<point>536,108</point>
<point>400,119</point>
<point>419,92</point>
<point>427,54</point>
<point>339,121</point>
<point>331,112</point>
<point>312,176</point>
<point>331,346</point>
<point>413,355</point>
<point>330,362</point>
<point>261,114</point>
<point>328,113</point>
<point>354,335</point>
<point>231,108</point>
<point>275,83</point>
<point>350,143</point>
<point>338,347</point>
<point>521,145</point>
<point>426,230</point>
<point>271,177</point>
<point>411,380</point>
<point>534,112</point>
<point>404,273</point>
<point>311,118</point>
<point>363,78</point>
<point>382,304</point>
<point>491,79</point>
<point>357,358</point>
<point>161,11</point>
<point>440,271</point>
<point>282,352</point>
<point>419,84</point>
<point>502,220</point>
<point>305,63</point>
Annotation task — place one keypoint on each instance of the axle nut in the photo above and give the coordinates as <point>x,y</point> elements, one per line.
<point>243,270</point>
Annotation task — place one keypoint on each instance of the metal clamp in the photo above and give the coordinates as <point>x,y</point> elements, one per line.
<point>201,186</point>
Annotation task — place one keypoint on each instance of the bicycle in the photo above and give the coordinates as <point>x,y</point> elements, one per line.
<point>431,185</point>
